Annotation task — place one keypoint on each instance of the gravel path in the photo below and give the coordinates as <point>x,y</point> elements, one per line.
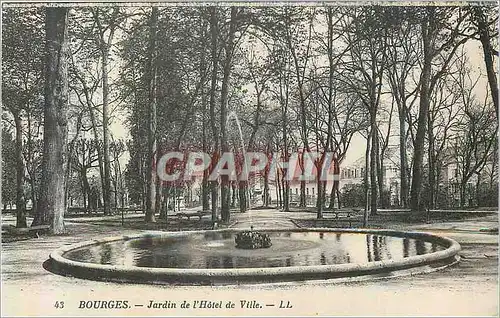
<point>467,289</point>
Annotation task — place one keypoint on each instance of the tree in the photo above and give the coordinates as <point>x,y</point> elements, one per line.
<point>381,154</point>
<point>84,158</point>
<point>52,205</point>
<point>22,65</point>
<point>486,19</point>
<point>441,37</point>
<point>105,34</point>
<point>214,30</point>
<point>403,54</point>
<point>152,135</point>
<point>298,38</point>
<point>226,73</point>
<point>8,165</point>
<point>345,115</point>
<point>257,70</point>
<point>444,109</point>
<point>117,149</point>
<point>474,135</point>
<point>367,39</point>
<point>283,75</point>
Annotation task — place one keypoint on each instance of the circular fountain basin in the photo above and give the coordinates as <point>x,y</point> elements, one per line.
<point>211,257</point>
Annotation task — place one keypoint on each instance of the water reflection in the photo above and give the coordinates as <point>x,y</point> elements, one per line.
<point>217,250</point>
<point>384,247</point>
<point>406,247</point>
<point>368,249</point>
<point>376,248</point>
<point>420,247</point>
<point>434,247</point>
<point>105,254</point>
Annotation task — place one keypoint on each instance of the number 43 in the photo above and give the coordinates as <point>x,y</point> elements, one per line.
<point>59,304</point>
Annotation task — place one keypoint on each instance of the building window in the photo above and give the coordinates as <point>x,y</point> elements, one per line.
<point>307,191</point>
<point>296,190</point>
<point>312,189</point>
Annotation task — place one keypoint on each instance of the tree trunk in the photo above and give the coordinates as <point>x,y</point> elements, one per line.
<point>104,47</point>
<point>32,168</point>
<point>286,196</point>
<point>158,197</point>
<point>319,199</point>
<point>416,184</point>
<point>485,39</point>
<point>225,198</point>
<point>242,195</point>
<point>432,164</point>
<point>279,202</point>
<point>34,199</point>
<point>105,133</point>
<point>232,194</point>
<point>266,189</point>
<point>20,199</point>
<point>331,206</point>
<point>213,87</point>
<point>94,125</point>
<point>152,147</point>
<point>380,173</point>
<point>373,166</point>
<point>365,179</point>
<point>52,205</point>
<point>339,203</point>
<point>165,203</point>
<point>204,184</point>
<point>302,198</point>
<point>463,185</point>
<point>284,110</point>
<point>403,157</point>
<point>85,187</point>
<point>205,203</point>
<point>331,77</point>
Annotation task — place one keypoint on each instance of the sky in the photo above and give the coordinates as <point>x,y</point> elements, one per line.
<point>357,148</point>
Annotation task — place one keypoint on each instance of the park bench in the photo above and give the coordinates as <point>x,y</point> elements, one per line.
<point>343,215</point>
<point>188,215</point>
<point>33,230</point>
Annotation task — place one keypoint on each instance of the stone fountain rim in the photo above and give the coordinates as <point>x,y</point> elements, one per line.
<point>60,264</point>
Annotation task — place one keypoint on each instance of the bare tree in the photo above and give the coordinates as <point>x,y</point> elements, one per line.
<point>52,205</point>
<point>475,135</point>
<point>486,20</point>
<point>22,84</point>
<point>403,54</point>
<point>152,136</point>
<point>367,38</point>
<point>105,40</point>
<point>444,109</point>
<point>436,46</point>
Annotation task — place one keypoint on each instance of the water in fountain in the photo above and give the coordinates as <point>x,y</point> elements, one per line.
<point>218,250</point>
<point>234,116</point>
